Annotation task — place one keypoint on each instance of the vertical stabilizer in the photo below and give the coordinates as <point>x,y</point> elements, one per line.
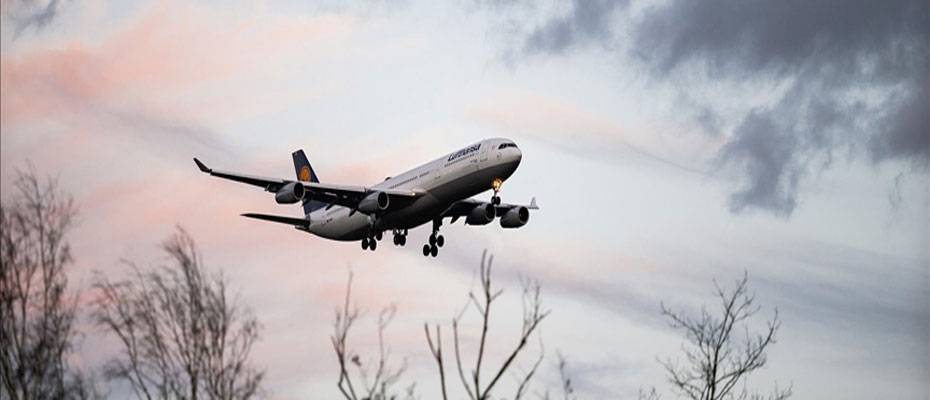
<point>305,173</point>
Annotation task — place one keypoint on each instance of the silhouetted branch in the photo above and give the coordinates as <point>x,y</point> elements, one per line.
<point>37,315</point>
<point>715,361</point>
<point>378,382</point>
<point>436,351</point>
<point>532,316</point>
<point>181,336</point>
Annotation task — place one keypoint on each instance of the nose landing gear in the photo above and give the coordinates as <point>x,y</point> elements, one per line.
<point>496,185</point>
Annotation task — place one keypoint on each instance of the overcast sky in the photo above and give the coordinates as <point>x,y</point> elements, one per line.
<point>668,143</point>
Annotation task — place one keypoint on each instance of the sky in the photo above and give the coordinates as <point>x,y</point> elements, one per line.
<point>668,143</point>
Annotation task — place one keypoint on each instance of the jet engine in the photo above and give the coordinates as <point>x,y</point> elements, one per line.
<point>290,193</point>
<point>482,214</point>
<point>515,217</point>
<point>377,201</point>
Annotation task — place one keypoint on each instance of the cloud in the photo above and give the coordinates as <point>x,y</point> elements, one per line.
<point>763,151</point>
<point>25,14</point>
<point>162,78</point>
<point>836,75</point>
<point>587,21</point>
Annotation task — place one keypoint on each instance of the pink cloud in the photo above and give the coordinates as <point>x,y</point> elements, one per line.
<point>159,62</point>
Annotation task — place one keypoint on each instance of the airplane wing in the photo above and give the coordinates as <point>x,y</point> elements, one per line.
<point>297,222</point>
<point>343,195</point>
<point>461,208</point>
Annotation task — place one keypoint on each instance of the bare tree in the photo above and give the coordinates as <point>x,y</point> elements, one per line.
<point>37,315</point>
<point>533,314</point>
<point>182,336</point>
<point>378,377</point>
<point>717,359</point>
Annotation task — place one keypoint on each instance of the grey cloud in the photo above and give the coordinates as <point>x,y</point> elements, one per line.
<point>784,36</point>
<point>588,21</point>
<point>826,53</point>
<point>907,132</point>
<point>27,14</point>
<point>766,153</point>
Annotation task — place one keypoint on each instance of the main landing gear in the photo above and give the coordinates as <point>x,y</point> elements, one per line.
<point>371,242</point>
<point>435,241</point>
<point>400,237</point>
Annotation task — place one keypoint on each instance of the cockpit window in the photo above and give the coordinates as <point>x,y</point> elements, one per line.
<point>506,145</point>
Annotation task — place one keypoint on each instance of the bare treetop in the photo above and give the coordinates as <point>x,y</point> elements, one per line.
<point>533,314</point>
<point>37,314</point>
<point>182,336</point>
<point>378,376</point>
<point>720,351</point>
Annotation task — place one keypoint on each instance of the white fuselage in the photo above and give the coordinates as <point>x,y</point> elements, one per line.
<point>455,176</point>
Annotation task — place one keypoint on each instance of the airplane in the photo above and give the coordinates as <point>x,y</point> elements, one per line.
<point>431,192</point>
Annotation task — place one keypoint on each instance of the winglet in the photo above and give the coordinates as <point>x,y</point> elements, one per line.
<point>203,168</point>
<point>533,205</point>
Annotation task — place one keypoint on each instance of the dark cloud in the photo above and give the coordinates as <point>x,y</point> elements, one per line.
<point>827,50</point>
<point>856,75</point>
<point>763,149</point>
<point>906,134</point>
<point>25,14</point>
<point>588,21</point>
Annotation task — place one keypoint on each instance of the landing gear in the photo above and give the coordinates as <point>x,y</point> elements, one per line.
<point>430,250</point>
<point>496,185</point>
<point>400,237</point>
<point>435,240</point>
<point>371,242</point>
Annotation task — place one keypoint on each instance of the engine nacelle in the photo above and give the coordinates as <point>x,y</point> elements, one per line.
<point>515,217</point>
<point>290,193</point>
<point>482,214</point>
<point>377,201</point>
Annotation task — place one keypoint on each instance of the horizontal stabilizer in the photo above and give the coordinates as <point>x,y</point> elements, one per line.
<point>299,222</point>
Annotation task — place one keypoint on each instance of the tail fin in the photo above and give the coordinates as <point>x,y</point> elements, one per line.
<point>305,173</point>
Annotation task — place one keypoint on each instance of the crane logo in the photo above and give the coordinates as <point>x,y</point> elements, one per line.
<point>305,174</point>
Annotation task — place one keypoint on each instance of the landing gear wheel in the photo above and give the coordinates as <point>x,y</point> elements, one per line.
<point>434,251</point>
<point>365,244</point>
<point>402,240</point>
<point>396,240</point>
<point>440,240</point>
<point>373,245</point>
<point>432,239</point>
<point>426,250</point>
<point>379,235</point>
<point>496,200</point>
